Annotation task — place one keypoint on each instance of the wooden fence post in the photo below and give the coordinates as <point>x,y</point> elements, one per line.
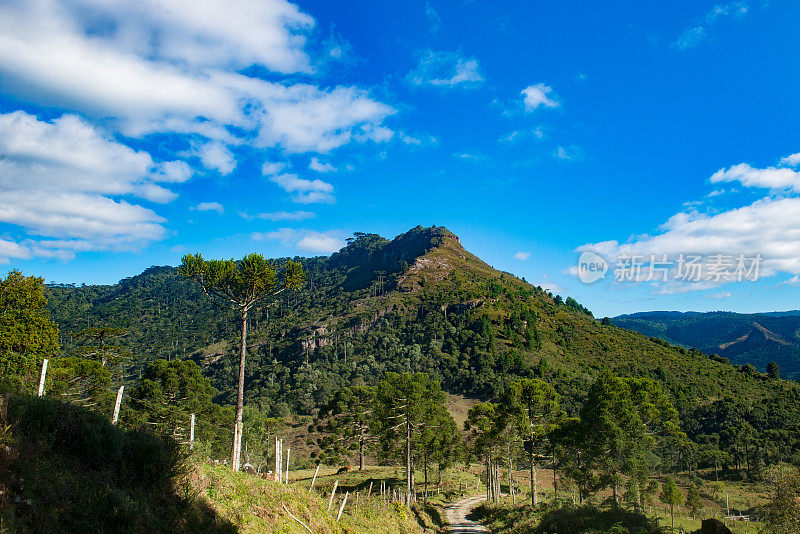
<point>288,452</point>
<point>314,479</point>
<point>191,432</point>
<point>116,405</point>
<point>341,508</point>
<point>333,492</point>
<point>277,459</point>
<point>41,378</point>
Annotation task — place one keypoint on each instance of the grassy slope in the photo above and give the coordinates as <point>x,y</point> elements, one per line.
<point>67,469</point>
<point>255,505</point>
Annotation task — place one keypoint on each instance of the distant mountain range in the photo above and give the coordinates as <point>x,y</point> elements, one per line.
<point>755,338</point>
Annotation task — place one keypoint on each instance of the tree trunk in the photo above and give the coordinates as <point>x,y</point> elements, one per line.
<point>425,467</point>
<point>236,450</point>
<point>511,476</point>
<point>361,450</point>
<point>533,478</point>
<point>555,481</point>
<point>409,473</point>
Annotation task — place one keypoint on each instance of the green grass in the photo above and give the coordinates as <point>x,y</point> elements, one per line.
<point>255,505</point>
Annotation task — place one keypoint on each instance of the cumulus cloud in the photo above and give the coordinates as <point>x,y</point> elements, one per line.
<point>446,70</point>
<point>769,178</point>
<point>271,168</point>
<point>305,191</point>
<point>10,250</point>
<point>768,227</point>
<point>522,255</point>
<point>324,167</point>
<point>535,96</point>
<point>210,206</point>
<point>174,67</point>
<point>792,160</point>
<point>184,68</point>
<point>216,156</point>
<point>305,240</point>
<point>56,180</point>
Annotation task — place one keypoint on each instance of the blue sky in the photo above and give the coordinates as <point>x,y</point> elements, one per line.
<point>134,132</point>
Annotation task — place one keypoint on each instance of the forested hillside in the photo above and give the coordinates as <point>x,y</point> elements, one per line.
<point>756,339</point>
<point>422,303</point>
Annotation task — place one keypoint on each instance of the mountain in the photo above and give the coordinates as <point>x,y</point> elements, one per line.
<point>755,339</point>
<point>419,303</point>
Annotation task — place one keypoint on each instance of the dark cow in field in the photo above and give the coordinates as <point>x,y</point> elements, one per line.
<point>345,469</point>
<point>714,526</point>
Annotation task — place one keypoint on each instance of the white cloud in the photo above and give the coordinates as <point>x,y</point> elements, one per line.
<point>568,153</point>
<point>10,250</point>
<point>282,215</point>
<point>467,156</point>
<point>305,191</point>
<point>519,135</point>
<point>56,179</point>
<point>178,67</point>
<point>445,69</point>
<point>433,18</point>
<point>718,296</point>
<point>769,178</point>
<point>316,165</point>
<point>792,160</point>
<point>210,206</point>
<point>418,139</point>
<point>695,35</point>
<point>769,227</point>
<point>522,255</point>
<point>174,67</point>
<point>690,38</point>
<point>270,168</point>
<point>793,281</point>
<point>305,240</point>
<point>535,96</point>
<point>216,156</point>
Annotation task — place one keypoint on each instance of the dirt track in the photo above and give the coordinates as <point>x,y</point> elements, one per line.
<point>456,515</point>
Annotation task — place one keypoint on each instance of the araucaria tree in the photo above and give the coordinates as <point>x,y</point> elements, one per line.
<point>405,405</point>
<point>531,408</point>
<point>240,284</point>
<point>672,496</point>
<point>346,421</point>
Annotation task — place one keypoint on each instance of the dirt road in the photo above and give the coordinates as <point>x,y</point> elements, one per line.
<point>456,515</point>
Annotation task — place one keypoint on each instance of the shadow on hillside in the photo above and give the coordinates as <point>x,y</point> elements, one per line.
<point>570,520</point>
<point>67,469</point>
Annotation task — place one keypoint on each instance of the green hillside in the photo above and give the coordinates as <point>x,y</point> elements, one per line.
<point>422,303</point>
<point>757,339</point>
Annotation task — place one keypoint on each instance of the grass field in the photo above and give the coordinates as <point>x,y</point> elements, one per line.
<point>255,505</point>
